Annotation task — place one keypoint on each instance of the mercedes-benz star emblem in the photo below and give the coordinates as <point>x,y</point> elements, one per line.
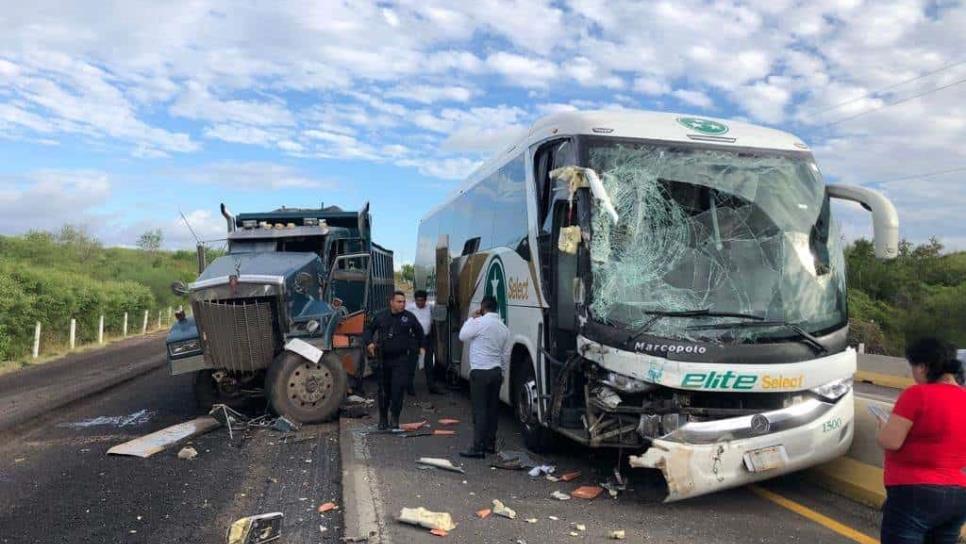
<point>760,424</point>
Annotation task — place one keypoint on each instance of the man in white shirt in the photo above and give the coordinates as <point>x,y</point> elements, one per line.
<point>424,313</point>
<point>490,347</point>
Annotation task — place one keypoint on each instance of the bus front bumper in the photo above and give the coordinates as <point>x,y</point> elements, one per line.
<point>692,469</point>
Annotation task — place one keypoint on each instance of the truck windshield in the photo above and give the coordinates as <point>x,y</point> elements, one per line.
<point>714,230</point>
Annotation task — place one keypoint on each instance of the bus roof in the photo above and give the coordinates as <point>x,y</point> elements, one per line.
<point>645,125</point>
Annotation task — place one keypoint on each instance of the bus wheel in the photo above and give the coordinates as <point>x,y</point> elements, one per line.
<point>305,391</point>
<point>536,437</point>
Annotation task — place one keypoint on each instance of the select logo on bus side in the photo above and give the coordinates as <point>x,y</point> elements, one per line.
<point>495,285</point>
<point>740,382</point>
<point>704,126</point>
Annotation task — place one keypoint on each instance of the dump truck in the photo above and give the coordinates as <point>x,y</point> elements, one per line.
<point>674,287</point>
<point>282,313</point>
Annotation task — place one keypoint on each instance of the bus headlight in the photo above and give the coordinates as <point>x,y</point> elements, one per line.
<point>183,348</point>
<point>833,391</point>
<point>626,384</point>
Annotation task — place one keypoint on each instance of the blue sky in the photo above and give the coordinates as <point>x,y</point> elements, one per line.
<point>117,115</point>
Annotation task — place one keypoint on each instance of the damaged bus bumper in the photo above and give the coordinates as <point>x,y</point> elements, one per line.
<point>700,458</point>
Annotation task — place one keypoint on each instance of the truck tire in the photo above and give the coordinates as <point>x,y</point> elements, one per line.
<point>304,391</point>
<point>536,437</point>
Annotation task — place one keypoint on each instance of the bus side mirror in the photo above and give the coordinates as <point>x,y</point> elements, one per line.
<point>179,288</point>
<point>885,219</point>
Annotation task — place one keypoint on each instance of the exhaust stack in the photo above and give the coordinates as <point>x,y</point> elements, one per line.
<point>228,217</point>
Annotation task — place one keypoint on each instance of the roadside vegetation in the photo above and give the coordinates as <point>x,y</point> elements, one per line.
<point>53,277</point>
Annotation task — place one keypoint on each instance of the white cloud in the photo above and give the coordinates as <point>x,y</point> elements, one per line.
<point>428,94</point>
<point>694,98</point>
<point>522,71</point>
<point>651,86</point>
<point>197,102</point>
<point>48,199</point>
<point>256,176</point>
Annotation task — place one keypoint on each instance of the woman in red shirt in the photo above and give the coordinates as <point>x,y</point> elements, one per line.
<point>925,451</point>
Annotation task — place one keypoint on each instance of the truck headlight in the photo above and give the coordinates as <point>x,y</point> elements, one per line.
<point>626,384</point>
<point>833,391</point>
<point>181,348</point>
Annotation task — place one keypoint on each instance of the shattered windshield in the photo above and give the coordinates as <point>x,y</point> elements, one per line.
<point>706,230</point>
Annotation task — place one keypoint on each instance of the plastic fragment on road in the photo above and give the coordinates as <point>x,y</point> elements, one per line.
<point>326,507</point>
<point>449,421</point>
<point>531,520</point>
<point>443,432</point>
<point>514,460</point>
<point>588,492</point>
<point>560,496</point>
<point>413,426</point>
<point>256,529</point>
<point>149,444</point>
<point>425,518</point>
<point>536,471</point>
<point>444,464</point>
<point>187,452</point>
<point>439,532</point>
<point>567,476</point>
<point>616,535</point>
<point>553,518</point>
<point>580,527</point>
<point>501,509</point>
<point>574,533</point>
<point>484,513</point>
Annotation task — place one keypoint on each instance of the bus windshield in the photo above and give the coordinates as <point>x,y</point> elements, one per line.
<point>705,231</point>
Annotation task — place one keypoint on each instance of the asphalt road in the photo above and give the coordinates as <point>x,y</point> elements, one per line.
<point>734,516</point>
<point>58,485</point>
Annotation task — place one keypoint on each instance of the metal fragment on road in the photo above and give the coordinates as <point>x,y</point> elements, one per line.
<point>501,509</point>
<point>149,444</point>
<point>444,464</point>
<point>256,529</point>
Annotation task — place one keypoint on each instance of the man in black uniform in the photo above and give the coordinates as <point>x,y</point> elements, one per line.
<point>397,335</point>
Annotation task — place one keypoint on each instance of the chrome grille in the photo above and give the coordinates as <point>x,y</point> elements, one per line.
<point>238,335</point>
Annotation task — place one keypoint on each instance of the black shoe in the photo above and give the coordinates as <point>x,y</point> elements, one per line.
<point>383,423</point>
<point>473,453</point>
<point>394,421</point>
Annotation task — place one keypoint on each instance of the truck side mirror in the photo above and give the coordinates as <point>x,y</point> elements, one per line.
<point>885,219</point>
<point>179,288</point>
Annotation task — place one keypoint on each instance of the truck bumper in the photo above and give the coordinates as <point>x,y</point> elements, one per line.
<point>185,365</point>
<point>696,469</point>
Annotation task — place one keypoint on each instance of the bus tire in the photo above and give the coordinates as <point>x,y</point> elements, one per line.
<point>536,437</point>
<point>304,391</point>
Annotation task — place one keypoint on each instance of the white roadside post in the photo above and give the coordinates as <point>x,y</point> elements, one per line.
<point>37,340</point>
<point>144,324</point>
<point>169,315</point>
<point>159,319</point>
<point>73,333</point>
<point>100,330</point>
<point>125,325</point>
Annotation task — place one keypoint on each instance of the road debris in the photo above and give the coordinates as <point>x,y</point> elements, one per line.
<point>514,460</point>
<point>501,509</point>
<point>553,518</point>
<point>449,421</point>
<point>443,432</point>
<point>616,535</point>
<point>187,452</point>
<point>407,427</point>
<point>531,520</point>
<point>425,518</point>
<point>137,418</point>
<point>285,425</point>
<point>439,532</point>
<point>256,529</point>
<point>580,527</point>
<point>588,492</point>
<point>574,533</point>
<point>484,513</point>
<point>149,444</point>
<point>326,507</point>
<point>613,488</point>
<point>560,496</point>
<point>536,471</point>
<point>440,463</point>
<point>567,476</point>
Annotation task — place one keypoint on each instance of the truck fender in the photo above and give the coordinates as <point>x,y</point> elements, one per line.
<point>304,349</point>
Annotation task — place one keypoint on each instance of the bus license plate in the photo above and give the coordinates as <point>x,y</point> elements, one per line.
<point>764,459</point>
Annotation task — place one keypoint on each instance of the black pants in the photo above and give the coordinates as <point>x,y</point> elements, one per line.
<point>392,377</point>
<point>485,395</point>
<point>915,514</point>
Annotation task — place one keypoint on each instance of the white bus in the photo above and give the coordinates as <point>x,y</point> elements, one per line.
<point>674,285</point>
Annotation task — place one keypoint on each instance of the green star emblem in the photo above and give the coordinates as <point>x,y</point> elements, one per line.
<point>706,126</point>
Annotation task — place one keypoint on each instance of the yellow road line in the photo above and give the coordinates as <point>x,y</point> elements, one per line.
<point>821,519</point>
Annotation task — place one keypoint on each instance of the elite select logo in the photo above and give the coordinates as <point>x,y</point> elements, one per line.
<point>740,382</point>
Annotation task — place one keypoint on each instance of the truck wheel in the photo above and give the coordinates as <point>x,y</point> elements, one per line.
<point>536,437</point>
<point>305,391</point>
